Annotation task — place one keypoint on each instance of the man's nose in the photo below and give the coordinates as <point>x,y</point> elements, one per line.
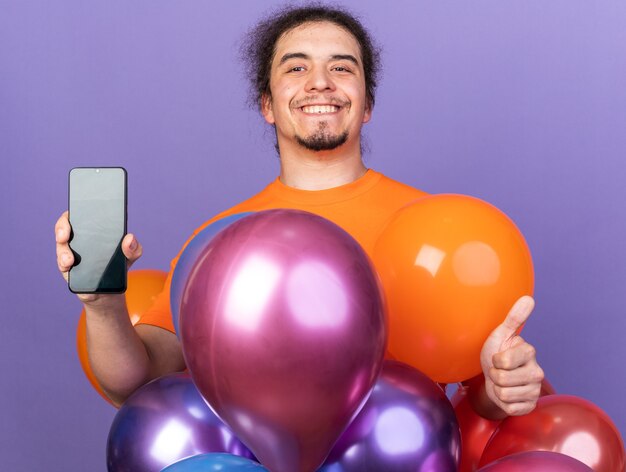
<point>319,80</point>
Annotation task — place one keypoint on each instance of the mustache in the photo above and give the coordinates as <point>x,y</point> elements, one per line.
<point>329,100</point>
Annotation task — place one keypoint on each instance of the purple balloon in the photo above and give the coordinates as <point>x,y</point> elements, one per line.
<point>164,421</point>
<point>407,424</point>
<point>537,461</point>
<point>283,330</point>
<point>188,258</point>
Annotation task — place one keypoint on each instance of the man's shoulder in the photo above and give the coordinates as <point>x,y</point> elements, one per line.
<point>387,184</point>
<point>252,203</point>
<point>256,202</point>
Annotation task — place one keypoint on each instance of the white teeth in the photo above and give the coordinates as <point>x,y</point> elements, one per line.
<point>320,109</point>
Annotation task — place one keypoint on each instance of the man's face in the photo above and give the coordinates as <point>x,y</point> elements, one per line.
<point>318,88</point>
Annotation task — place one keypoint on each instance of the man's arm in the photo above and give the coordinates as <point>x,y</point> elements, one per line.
<point>512,377</point>
<point>122,358</point>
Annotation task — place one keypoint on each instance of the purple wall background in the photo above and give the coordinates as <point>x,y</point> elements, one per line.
<point>520,103</point>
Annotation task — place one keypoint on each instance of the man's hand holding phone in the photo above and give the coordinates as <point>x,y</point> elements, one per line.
<point>65,257</point>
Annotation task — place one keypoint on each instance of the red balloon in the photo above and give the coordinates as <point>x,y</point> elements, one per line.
<point>537,461</point>
<point>476,430</point>
<point>546,388</point>
<point>452,266</point>
<point>143,287</point>
<point>283,331</point>
<point>561,423</point>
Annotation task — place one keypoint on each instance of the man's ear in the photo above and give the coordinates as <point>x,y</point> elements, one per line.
<point>266,108</point>
<point>369,106</point>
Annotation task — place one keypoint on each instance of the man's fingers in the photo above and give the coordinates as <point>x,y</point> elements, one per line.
<point>131,248</point>
<point>62,229</point>
<point>65,260</point>
<point>520,394</point>
<point>518,408</point>
<point>519,313</point>
<point>516,354</point>
<point>528,374</point>
<point>516,317</point>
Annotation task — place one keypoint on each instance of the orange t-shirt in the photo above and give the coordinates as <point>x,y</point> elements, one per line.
<point>362,208</point>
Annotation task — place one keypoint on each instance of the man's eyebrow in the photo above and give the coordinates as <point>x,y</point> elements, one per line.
<point>345,57</point>
<point>293,55</point>
<point>334,57</point>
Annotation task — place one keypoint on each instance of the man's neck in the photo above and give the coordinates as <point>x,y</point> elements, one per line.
<point>311,170</point>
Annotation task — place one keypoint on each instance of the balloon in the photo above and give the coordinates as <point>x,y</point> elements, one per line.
<point>164,421</point>
<point>283,330</point>
<point>189,256</point>
<point>215,462</point>
<point>565,424</point>
<point>407,424</point>
<point>537,461</point>
<point>476,430</point>
<point>143,287</point>
<point>451,266</point>
<point>546,388</point>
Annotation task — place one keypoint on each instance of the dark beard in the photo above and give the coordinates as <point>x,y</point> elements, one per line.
<point>322,141</point>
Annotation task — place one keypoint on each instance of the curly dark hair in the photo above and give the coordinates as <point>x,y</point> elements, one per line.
<point>259,46</point>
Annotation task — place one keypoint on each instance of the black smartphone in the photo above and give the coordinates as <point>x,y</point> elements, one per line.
<point>97,214</point>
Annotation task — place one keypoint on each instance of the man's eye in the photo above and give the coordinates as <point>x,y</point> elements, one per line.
<point>296,69</point>
<point>341,69</point>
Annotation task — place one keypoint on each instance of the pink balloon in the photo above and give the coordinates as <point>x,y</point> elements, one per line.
<point>283,330</point>
<point>537,461</point>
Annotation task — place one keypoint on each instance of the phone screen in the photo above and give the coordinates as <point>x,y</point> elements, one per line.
<point>97,214</point>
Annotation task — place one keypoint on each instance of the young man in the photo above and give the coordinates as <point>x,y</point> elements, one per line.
<point>313,71</point>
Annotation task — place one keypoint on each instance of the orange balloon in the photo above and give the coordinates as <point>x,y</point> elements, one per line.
<point>451,267</point>
<point>143,287</point>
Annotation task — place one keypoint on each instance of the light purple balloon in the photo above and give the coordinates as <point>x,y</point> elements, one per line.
<point>283,330</point>
<point>537,461</point>
<point>164,421</point>
<point>407,425</point>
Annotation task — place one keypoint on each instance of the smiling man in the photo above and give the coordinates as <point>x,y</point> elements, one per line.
<point>313,75</point>
<point>317,97</point>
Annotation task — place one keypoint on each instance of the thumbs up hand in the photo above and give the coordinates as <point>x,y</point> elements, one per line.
<point>512,375</point>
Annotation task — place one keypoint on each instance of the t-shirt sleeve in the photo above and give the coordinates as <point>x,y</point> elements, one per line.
<point>160,313</point>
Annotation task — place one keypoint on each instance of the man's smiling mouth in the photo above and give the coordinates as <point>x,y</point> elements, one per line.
<point>319,109</point>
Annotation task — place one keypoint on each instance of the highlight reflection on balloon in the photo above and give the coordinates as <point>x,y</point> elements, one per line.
<point>143,287</point>
<point>163,422</point>
<point>283,330</point>
<point>561,423</point>
<point>451,267</point>
<point>188,258</point>
<point>536,461</point>
<point>215,462</point>
<point>407,424</point>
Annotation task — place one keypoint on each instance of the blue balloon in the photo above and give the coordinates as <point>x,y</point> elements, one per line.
<point>215,462</point>
<point>188,258</point>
